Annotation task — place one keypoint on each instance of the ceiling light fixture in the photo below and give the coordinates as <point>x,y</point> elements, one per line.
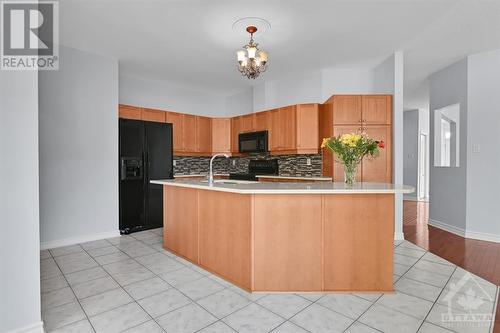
<point>251,60</point>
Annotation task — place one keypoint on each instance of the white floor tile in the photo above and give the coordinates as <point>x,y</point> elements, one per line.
<point>285,305</point>
<point>223,303</point>
<point>65,250</point>
<point>181,276</point>
<point>119,319</point>
<point>134,275</point>
<point>62,315</point>
<point>253,319</point>
<point>82,326</point>
<point>57,297</point>
<point>418,289</point>
<point>428,277</point>
<point>414,253</point>
<point>431,328</point>
<point>288,327</point>
<point>163,302</point>
<point>200,288</point>
<point>111,258</point>
<point>147,327</point>
<point>438,316</point>
<point>348,305</point>
<point>101,251</point>
<point>357,327</point>
<point>410,305</point>
<point>435,267</point>
<point>146,288</point>
<point>94,287</point>
<point>218,327</point>
<point>106,301</point>
<point>388,320</point>
<point>95,244</point>
<point>52,284</point>
<point>317,318</point>
<point>187,319</point>
<point>85,275</point>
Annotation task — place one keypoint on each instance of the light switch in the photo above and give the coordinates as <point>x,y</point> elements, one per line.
<point>476,148</point>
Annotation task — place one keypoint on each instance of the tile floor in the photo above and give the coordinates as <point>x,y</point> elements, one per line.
<point>130,284</point>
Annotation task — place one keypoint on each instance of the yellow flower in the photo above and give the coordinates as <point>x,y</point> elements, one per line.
<point>325,141</point>
<point>350,140</point>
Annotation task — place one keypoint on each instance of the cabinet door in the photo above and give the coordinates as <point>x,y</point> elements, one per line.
<point>129,112</point>
<point>379,169</point>
<point>157,116</point>
<point>189,133</point>
<point>307,128</point>
<point>287,128</point>
<point>176,120</point>
<point>235,131</point>
<point>261,121</point>
<point>221,135</point>
<point>274,129</point>
<point>347,110</point>
<point>377,110</point>
<point>203,135</point>
<point>338,169</point>
<point>246,123</point>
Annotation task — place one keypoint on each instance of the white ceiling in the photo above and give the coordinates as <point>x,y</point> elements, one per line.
<point>192,43</point>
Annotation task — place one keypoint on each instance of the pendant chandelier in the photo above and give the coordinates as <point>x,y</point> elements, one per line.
<point>251,60</point>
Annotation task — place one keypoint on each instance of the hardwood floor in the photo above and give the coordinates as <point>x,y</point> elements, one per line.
<point>478,257</point>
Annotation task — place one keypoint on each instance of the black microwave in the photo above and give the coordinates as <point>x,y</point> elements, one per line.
<point>253,142</point>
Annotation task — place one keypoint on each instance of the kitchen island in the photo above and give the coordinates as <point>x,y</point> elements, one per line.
<point>285,237</point>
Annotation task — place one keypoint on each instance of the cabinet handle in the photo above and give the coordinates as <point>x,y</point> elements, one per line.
<point>364,120</point>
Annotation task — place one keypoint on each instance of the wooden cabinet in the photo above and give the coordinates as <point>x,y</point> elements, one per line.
<point>129,112</point>
<point>347,109</point>
<point>235,131</point>
<point>189,133</point>
<point>153,115</point>
<point>307,127</point>
<point>376,110</point>
<point>261,121</point>
<point>274,129</point>
<point>176,119</point>
<point>246,122</point>
<point>287,128</point>
<point>379,169</point>
<point>221,135</point>
<point>203,135</point>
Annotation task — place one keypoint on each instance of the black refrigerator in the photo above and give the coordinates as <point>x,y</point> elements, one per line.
<point>145,154</point>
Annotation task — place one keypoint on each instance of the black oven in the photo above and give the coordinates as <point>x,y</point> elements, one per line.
<point>253,142</point>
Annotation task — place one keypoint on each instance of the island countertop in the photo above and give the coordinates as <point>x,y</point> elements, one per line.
<point>250,187</point>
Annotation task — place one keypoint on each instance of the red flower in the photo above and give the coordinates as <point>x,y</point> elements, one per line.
<point>381,144</point>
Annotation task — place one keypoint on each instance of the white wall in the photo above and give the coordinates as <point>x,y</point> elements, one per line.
<point>346,81</point>
<point>483,119</point>
<point>19,237</point>
<point>239,103</point>
<point>447,206</point>
<point>165,95</point>
<point>78,149</point>
<point>410,150</point>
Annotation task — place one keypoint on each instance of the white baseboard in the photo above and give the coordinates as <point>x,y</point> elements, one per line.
<point>399,236</point>
<point>33,328</point>
<point>78,239</point>
<point>465,233</point>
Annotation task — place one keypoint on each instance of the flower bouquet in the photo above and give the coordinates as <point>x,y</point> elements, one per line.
<point>349,149</point>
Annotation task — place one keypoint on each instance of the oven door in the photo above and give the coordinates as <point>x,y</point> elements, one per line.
<point>254,142</point>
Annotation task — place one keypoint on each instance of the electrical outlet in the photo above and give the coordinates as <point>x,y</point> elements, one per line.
<point>308,161</point>
<point>476,148</point>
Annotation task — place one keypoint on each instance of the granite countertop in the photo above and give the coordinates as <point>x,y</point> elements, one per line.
<point>249,187</point>
<point>296,177</point>
<point>197,175</point>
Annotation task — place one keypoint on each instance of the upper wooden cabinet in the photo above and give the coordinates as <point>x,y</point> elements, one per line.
<point>153,115</point>
<point>347,109</point>
<point>235,131</point>
<point>177,121</point>
<point>261,121</point>
<point>221,135</point>
<point>376,109</point>
<point>247,124</point>
<point>362,109</point>
<point>189,133</point>
<point>287,128</point>
<point>129,112</point>
<point>203,135</point>
<point>273,128</point>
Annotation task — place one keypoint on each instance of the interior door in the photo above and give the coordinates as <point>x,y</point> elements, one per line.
<point>422,168</point>
<point>131,190</point>
<point>158,166</point>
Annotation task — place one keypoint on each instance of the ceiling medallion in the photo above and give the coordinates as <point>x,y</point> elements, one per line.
<point>251,60</point>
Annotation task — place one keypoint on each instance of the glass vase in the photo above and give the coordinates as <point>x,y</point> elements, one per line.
<point>350,171</point>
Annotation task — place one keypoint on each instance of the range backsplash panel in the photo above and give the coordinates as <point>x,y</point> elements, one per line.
<point>289,165</point>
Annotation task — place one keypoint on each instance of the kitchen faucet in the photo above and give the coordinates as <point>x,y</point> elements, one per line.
<point>210,173</point>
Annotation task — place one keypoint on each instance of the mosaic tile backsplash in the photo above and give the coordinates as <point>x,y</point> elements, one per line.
<point>289,165</point>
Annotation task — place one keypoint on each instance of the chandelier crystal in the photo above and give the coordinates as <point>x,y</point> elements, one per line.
<point>251,60</point>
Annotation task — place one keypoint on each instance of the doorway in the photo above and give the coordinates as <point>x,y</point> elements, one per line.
<point>422,167</point>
